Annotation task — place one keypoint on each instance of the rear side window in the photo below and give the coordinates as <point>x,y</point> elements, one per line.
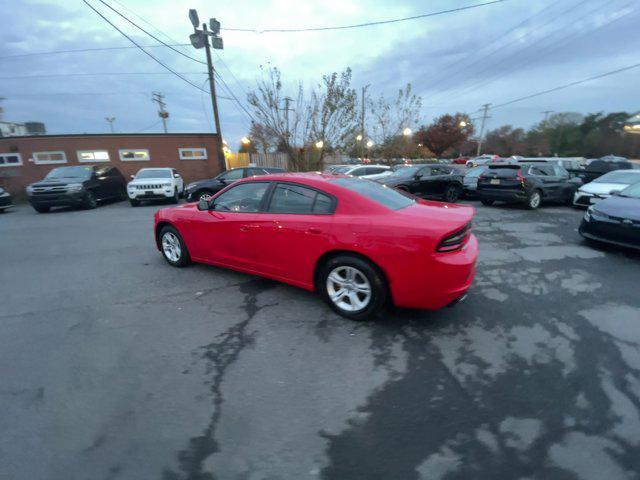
<point>385,196</point>
<point>542,170</point>
<point>296,199</point>
<point>504,172</point>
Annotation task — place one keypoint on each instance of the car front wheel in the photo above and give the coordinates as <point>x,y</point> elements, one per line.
<point>176,196</point>
<point>173,247</point>
<point>486,201</point>
<point>353,287</point>
<point>90,202</point>
<point>41,209</point>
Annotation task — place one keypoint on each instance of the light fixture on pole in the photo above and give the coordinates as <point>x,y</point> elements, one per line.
<point>406,132</point>
<point>370,144</point>
<point>201,39</point>
<point>245,140</point>
<point>359,138</point>
<point>462,124</point>
<point>319,144</point>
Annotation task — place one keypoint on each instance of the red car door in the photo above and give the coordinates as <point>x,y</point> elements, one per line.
<point>293,233</point>
<point>224,234</point>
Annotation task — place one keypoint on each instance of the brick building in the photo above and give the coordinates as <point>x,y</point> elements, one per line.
<point>26,159</point>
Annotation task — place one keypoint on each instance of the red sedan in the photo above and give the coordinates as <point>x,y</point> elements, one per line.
<point>358,243</point>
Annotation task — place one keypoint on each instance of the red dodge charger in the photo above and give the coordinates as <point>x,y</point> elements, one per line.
<point>360,244</point>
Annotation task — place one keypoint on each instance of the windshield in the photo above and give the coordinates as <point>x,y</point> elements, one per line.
<point>632,191</point>
<point>343,169</point>
<point>70,172</point>
<point>154,173</point>
<point>475,172</point>
<point>406,172</point>
<point>619,176</point>
<point>385,196</point>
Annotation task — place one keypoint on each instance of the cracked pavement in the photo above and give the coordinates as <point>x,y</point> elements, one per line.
<point>116,366</point>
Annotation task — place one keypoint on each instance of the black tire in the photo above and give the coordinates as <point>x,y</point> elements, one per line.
<point>198,195</point>
<point>41,208</point>
<point>90,203</point>
<point>452,193</point>
<point>375,278</point>
<point>183,258</point>
<point>176,197</point>
<point>486,201</point>
<point>122,195</point>
<point>134,202</point>
<point>534,199</point>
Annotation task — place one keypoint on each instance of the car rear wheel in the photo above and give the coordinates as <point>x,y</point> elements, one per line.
<point>534,199</point>
<point>41,209</point>
<point>486,201</point>
<point>173,247</point>
<point>353,287</point>
<point>90,203</point>
<point>204,195</point>
<point>452,193</point>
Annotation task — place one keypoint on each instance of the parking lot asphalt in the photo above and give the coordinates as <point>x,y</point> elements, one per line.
<point>114,365</point>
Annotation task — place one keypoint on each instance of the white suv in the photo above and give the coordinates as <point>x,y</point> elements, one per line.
<point>155,184</point>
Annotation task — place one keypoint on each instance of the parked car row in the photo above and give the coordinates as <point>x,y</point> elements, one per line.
<point>85,186</point>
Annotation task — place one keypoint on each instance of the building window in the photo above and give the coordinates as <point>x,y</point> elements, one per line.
<point>134,155</point>
<point>192,153</point>
<point>93,156</point>
<point>46,158</point>
<point>10,159</point>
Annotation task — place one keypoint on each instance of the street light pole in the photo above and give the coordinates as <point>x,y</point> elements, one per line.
<point>485,116</point>
<point>205,39</point>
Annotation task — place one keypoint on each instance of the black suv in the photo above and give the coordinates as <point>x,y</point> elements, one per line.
<point>438,181</point>
<point>79,186</point>
<point>204,189</point>
<point>528,183</point>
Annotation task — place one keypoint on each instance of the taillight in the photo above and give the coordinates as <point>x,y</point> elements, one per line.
<point>456,240</point>
<point>520,177</point>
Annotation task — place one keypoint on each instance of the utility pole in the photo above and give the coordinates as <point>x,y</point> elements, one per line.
<point>111,120</point>
<point>287,101</point>
<point>546,114</point>
<point>485,117</point>
<point>362,139</point>
<point>162,113</point>
<point>206,39</point>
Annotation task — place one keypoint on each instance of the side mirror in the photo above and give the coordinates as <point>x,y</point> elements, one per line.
<point>203,205</point>
<point>614,193</point>
<point>132,176</point>
<point>176,175</point>
<point>418,176</point>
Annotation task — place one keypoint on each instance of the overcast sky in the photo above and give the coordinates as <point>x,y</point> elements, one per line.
<point>456,62</point>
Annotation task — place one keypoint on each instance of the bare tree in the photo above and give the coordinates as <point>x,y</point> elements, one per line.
<point>389,119</point>
<point>299,124</point>
<point>262,138</point>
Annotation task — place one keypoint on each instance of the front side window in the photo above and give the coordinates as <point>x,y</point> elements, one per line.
<point>231,175</point>
<point>289,198</point>
<point>93,156</point>
<point>385,196</point>
<point>134,155</point>
<point>356,172</point>
<point>10,159</point>
<point>45,158</point>
<point>243,198</point>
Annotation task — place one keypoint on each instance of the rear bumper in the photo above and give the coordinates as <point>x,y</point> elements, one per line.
<point>502,195</point>
<point>59,199</point>
<point>444,281</point>
<point>5,201</point>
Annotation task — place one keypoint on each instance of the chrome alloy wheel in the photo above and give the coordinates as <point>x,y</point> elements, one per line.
<point>171,247</point>
<point>348,288</point>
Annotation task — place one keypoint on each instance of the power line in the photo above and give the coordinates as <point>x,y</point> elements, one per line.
<point>54,94</point>
<point>140,47</point>
<point>360,25</point>
<point>97,74</point>
<point>150,34</point>
<point>572,84</point>
<point>84,50</point>
<point>562,41</point>
<point>229,91</point>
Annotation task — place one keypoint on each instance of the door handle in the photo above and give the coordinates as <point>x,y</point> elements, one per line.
<point>314,231</point>
<point>248,228</point>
